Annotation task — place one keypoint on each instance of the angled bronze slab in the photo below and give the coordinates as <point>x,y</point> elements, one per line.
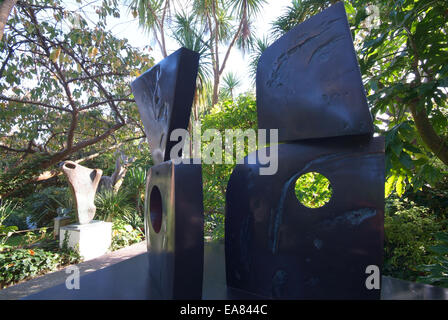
<point>174,226</point>
<point>164,95</point>
<point>278,248</point>
<point>309,83</point>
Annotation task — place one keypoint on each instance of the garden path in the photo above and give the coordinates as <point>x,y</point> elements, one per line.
<point>52,279</point>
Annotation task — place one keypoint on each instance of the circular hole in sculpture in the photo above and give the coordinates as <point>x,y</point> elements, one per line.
<point>313,190</point>
<point>155,209</point>
<point>70,165</point>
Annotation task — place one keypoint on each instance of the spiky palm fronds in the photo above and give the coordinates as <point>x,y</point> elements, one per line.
<point>260,45</point>
<point>297,12</point>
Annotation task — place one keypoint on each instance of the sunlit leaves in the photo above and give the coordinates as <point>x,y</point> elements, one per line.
<point>59,67</point>
<point>402,61</point>
<point>55,54</point>
<point>402,47</point>
<point>313,190</point>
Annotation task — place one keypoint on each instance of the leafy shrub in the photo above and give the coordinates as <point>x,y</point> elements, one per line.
<point>240,113</point>
<point>123,235</point>
<point>21,264</point>
<point>214,226</point>
<point>437,273</point>
<point>43,205</point>
<point>133,218</point>
<point>409,233</point>
<point>313,189</point>
<point>110,205</point>
<point>135,183</point>
<point>18,217</point>
<point>6,208</point>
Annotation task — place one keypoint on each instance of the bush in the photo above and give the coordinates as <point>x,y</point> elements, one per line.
<point>6,208</point>
<point>409,233</point>
<point>214,226</point>
<point>240,113</point>
<point>111,205</point>
<point>123,235</point>
<point>135,183</point>
<point>437,273</point>
<point>19,217</point>
<point>42,206</point>
<point>22,264</point>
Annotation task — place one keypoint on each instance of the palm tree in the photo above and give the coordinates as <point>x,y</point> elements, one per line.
<point>188,32</point>
<point>230,83</point>
<point>153,16</point>
<point>297,12</point>
<point>222,25</point>
<point>260,45</point>
<point>217,15</point>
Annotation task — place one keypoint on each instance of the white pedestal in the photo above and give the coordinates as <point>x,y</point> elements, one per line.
<point>92,239</point>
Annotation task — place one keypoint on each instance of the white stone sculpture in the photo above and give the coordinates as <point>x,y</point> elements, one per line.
<point>83,183</point>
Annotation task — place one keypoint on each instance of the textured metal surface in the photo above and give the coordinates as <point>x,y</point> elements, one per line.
<point>309,84</point>
<point>174,230</point>
<point>278,248</point>
<point>164,95</point>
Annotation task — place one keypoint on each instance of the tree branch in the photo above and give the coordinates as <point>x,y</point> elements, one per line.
<point>42,104</point>
<point>98,103</point>
<point>91,77</point>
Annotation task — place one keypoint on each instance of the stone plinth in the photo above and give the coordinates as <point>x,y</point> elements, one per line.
<point>58,223</point>
<point>92,239</point>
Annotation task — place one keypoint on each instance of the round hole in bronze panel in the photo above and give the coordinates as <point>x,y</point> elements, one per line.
<point>155,209</point>
<point>313,190</point>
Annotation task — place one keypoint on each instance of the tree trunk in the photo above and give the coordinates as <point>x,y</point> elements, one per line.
<point>215,89</point>
<point>5,9</point>
<point>424,127</point>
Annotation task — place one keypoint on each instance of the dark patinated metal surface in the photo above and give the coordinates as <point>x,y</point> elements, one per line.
<point>278,248</point>
<point>164,95</point>
<point>173,204</point>
<point>309,84</point>
<point>174,230</point>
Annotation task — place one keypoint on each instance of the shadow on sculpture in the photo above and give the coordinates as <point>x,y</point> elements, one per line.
<point>173,203</point>
<point>309,87</point>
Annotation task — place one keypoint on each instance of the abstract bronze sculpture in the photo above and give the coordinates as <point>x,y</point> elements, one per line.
<point>83,184</point>
<point>173,203</point>
<point>309,87</point>
<point>175,227</point>
<point>164,95</point>
<point>309,84</point>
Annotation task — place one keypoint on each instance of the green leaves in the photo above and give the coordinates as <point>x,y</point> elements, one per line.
<point>409,237</point>
<point>21,264</point>
<point>55,54</point>
<point>229,114</point>
<point>62,76</point>
<point>313,190</point>
<point>437,273</point>
<point>6,209</point>
<point>123,234</point>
